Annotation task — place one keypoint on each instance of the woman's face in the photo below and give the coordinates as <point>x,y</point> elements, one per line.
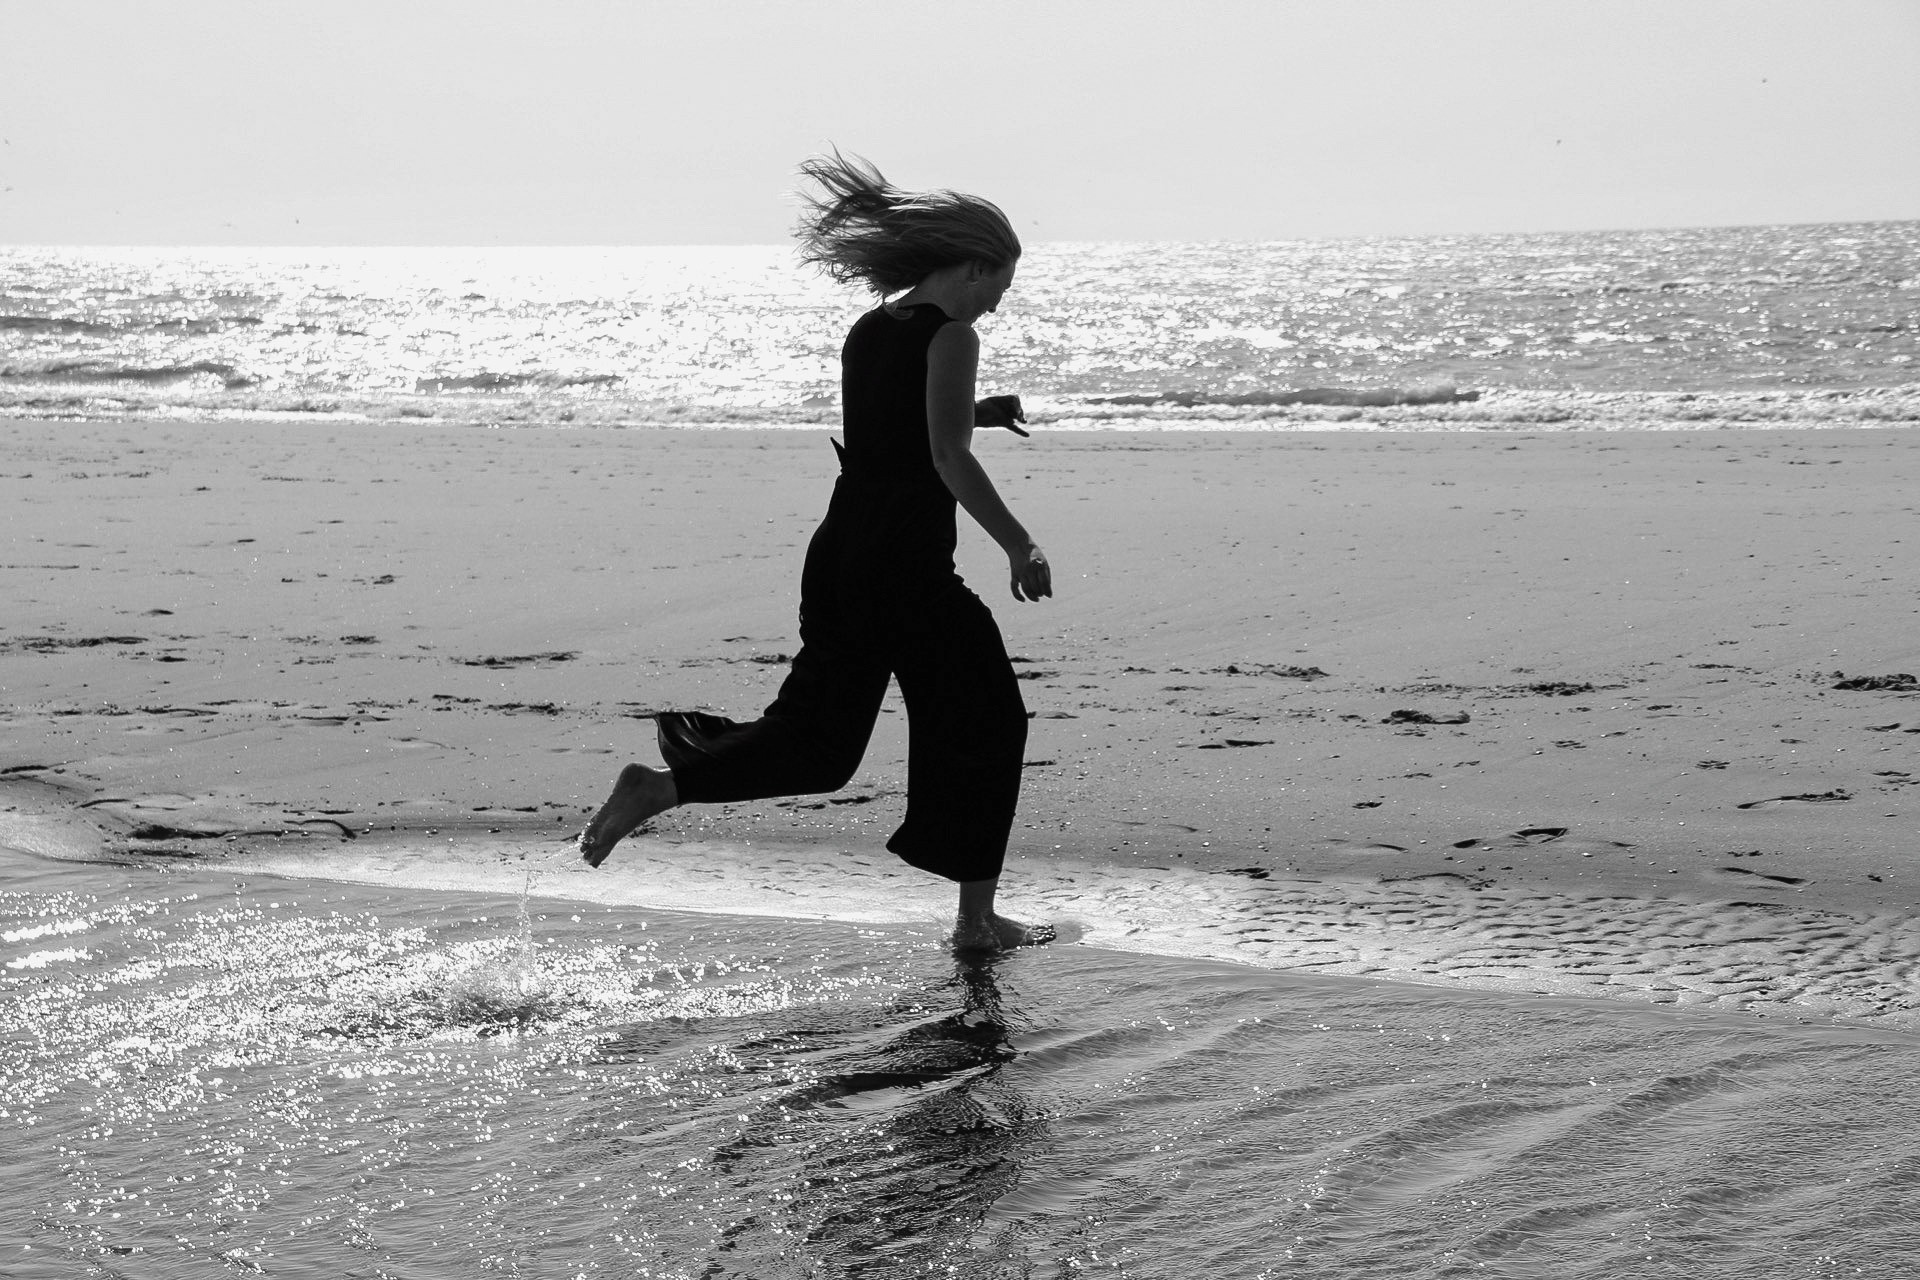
<point>993,286</point>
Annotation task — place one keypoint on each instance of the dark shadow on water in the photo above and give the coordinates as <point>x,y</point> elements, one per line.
<point>877,1135</point>
<point>946,1133</point>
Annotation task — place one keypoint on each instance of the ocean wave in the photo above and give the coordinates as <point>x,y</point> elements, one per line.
<point>122,326</point>
<point>91,371</point>
<point>1480,409</point>
<point>54,324</point>
<point>1500,409</point>
<point>486,381</point>
<point>1365,397</point>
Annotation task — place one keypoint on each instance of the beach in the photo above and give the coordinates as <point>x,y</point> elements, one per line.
<point>1468,789</point>
<point>304,642</point>
<point>1464,852</point>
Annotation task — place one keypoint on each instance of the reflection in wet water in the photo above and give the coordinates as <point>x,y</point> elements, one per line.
<point>203,1075</point>
<point>894,1137</point>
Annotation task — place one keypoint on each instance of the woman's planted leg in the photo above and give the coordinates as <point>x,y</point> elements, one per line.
<point>978,927</point>
<point>966,734</point>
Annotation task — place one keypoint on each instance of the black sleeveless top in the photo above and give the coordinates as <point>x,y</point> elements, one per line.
<point>883,391</point>
<point>887,464</point>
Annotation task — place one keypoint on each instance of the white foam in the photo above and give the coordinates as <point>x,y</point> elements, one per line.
<point>47,930</point>
<point>1438,930</point>
<point>1435,930</point>
<point>46,959</point>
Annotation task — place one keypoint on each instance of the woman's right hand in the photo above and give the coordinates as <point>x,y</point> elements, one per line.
<point>1000,411</point>
<point>1032,576</point>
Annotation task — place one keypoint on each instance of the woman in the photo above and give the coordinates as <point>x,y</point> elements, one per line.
<point>878,594</point>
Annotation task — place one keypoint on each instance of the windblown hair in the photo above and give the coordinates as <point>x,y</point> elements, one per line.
<point>863,229</point>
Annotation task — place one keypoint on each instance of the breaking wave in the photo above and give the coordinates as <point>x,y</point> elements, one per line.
<point>91,371</point>
<point>218,393</point>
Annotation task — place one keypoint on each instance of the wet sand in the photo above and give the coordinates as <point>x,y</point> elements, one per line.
<point>258,639</point>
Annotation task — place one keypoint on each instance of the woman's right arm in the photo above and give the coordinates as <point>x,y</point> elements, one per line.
<point>953,360</point>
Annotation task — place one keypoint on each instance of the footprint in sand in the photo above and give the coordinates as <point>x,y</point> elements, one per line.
<point>1526,836</point>
<point>168,831</point>
<point>1426,717</point>
<point>1453,877</point>
<point>53,644</point>
<point>514,660</point>
<point>345,832</point>
<point>1810,797</point>
<point>1781,881</point>
<point>1368,846</point>
<point>1896,682</point>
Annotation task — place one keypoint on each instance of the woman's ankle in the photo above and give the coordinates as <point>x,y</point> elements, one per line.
<point>976,899</point>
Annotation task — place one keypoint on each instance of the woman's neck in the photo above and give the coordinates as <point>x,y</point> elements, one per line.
<point>946,289</point>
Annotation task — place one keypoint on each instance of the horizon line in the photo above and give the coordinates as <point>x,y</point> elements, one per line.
<point>769,244</point>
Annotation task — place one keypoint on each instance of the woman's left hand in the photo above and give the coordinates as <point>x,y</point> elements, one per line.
<point>1032,575</point>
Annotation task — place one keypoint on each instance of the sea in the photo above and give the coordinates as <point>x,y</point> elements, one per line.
<point>1807,326</point>
<point>223,1069</point>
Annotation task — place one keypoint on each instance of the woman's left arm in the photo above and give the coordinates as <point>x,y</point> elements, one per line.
<point>953,361</point>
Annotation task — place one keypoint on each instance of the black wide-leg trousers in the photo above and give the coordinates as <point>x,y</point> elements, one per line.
<point>868,612</point>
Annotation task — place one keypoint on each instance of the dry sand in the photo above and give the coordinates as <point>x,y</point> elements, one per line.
<point>258,639</point>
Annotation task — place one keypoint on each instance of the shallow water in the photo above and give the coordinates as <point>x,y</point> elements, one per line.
<point>207,1073</point>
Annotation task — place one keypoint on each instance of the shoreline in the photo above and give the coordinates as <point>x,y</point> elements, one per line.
<point>229,628</point>
<point>1618,951</point>
<point>1418,405</point>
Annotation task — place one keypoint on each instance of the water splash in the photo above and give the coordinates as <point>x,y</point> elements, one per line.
<point>508,993</point>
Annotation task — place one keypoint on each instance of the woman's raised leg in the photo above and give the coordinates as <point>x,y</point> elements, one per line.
<point>639,793</point>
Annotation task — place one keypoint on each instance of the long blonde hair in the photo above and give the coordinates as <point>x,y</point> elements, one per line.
<point>863,229</point>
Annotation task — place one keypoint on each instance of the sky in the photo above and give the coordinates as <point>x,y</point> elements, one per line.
<point>496,122</point>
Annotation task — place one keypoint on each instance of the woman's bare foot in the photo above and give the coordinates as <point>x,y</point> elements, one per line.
<point>997,933</point>
<point>638,794</point>
<point>978,927</point>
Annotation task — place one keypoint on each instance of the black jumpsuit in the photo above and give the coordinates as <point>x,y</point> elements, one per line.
<point>879,597</point>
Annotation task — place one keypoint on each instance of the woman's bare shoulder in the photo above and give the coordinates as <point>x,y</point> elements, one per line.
<point>954,355</point>
<point>954,338</point>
